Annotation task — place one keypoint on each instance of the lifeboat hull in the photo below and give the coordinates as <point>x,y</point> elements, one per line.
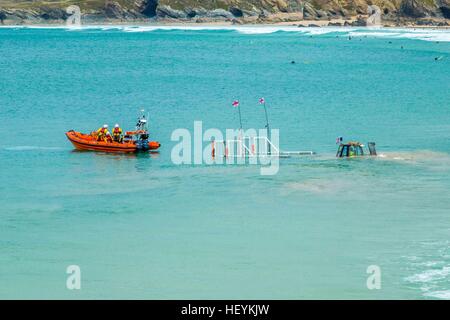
<point>83,141</point>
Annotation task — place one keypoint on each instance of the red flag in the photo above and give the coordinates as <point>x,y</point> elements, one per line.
<point>262,101</point>
<point>235,103</point>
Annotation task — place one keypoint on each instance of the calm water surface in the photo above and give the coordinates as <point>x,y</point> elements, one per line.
<point>141,227</point>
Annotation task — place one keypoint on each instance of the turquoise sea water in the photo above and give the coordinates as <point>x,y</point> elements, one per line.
<point>141,227</point>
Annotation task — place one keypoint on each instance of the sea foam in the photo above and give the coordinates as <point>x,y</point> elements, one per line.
<point>430,275</point>
<point>441,35</point>
<point>441,294</point>
<point>425,34</point>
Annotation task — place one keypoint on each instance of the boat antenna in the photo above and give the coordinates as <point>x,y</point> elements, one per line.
<point>263,102</point>
<point>142,121</point>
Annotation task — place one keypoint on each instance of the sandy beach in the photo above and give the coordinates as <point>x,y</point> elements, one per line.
<point>274,20</point>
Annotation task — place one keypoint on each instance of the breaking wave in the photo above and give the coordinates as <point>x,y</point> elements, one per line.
<point>430,280</point>
<point>440,294</point>
<point>430,275</point>
<point>430,271</point>
<point>425,34</point>
<point>419,34</point>
<point>441,35</point>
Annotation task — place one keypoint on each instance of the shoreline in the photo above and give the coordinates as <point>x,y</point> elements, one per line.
<point>292,19</point>
<point>334,23</point>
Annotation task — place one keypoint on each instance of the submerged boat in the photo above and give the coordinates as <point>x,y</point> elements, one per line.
<point>133,141</point>
<point>354,149</point>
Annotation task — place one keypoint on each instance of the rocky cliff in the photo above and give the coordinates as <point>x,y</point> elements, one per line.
<point>236,11</point>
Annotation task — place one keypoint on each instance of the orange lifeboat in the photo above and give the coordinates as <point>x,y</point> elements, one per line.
<point>82,141</point>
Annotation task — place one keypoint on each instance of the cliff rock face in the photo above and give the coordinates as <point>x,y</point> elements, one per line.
<point>418,8</point>
<point>25,11</point>
<point>444,7</point>
<point>113,10</point>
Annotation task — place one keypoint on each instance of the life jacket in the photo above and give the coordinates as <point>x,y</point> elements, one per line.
<point>102,131</point>
<point>117,131</point>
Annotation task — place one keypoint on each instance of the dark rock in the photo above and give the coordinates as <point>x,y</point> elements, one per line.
<point>425,22</point>
<point>134,14</point>
<point>2,16</point>
<point>343,12</point>
<point>360,22</point>
<point>263,14</point>
<point>168,12</point>
<point>53,14</point>
<point>321,14</point>
<point>445,11</point>
<point>312,25</point>
<point>294,6</point>
<point>113,10</point>
<point>26,14</point>
<point>148,8</point>
<point>347,24</point>
<point>195,12</point>
<point>235,11</point>
<point>250,13</point>
<point>331,12</point>
<point>18,16</point>
<point>309,11</point>
<point>416,8</point>
<point>220,13</point>
<point>360,10</point>
<point>402,12</point>
<point>334,24</point>
<point>201,12</point>
<point>190,13</point>
<point>16,19</point>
